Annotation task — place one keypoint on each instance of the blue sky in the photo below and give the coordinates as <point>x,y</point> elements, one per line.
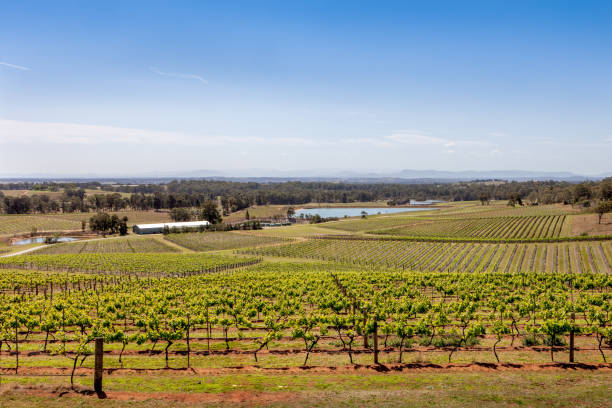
<point>135,87</point>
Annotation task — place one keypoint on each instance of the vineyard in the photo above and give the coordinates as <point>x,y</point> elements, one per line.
<point>13,224</point>
<point>501,209</point>
<point>545,226</point>
<point>200,241</point>
<point>374,223</point>
<point>129,244</point>
<point>297,305</point>
<point>579,257</point>
<point>290,314</point>
<point>126,264</point>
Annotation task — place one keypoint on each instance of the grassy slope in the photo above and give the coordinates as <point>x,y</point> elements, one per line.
<point>409,389</point>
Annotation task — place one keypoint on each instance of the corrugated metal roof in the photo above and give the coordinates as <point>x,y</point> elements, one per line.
<point>174,224</point>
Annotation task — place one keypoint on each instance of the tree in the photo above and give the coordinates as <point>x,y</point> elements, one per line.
<point>100,222</point>
<point>484,198</point>
<point>180,214</point>
<point>515,199</point>
<point>602,208</point>
<point>290,212</point>
<point>107,224</point>
<point>123,229</point>
<point>606,189</point>
<point>210,212</point>
<point>582,192</point>
<point>247,216</point>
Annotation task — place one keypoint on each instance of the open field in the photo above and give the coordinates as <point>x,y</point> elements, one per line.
<point>15,224</point>
<point>212,241</point>
<point>587,224</point>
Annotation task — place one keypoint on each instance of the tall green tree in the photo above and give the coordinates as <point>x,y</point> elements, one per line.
<point>210,212</point>
<point>602,208</point>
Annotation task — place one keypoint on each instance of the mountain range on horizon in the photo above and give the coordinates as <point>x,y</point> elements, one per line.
<point>263,175</point>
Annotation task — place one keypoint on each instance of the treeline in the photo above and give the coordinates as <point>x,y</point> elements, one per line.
<point>236,195</point>
<point>69,202</point>
<point>240,195</point>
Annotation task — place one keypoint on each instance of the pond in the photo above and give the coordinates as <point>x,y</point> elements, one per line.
<point>40,240</point>
<point>341,212</point>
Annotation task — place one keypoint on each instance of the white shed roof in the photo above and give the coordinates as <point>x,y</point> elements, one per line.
<point>175,224</point>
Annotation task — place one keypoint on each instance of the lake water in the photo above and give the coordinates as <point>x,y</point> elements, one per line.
<point>340,212</point>
<point>40,240</point>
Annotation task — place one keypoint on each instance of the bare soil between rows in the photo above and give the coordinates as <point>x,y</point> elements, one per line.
<point>379,368</point>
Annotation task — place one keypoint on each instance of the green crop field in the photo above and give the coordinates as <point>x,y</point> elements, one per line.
<point>109,245</point>
<point>545,226</point>
<point>373,223</point>
<point>278,317</point>
<point>210,241</point>
<point>582,257</point>
<point>124,263</point>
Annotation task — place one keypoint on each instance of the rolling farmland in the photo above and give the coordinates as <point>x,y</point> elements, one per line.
<point>434,290</point>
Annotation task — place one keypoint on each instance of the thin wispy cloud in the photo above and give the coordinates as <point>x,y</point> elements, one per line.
<point>179,75</point>
<point>20,132</point>
<point>14,66</point>
<point>413,138</point>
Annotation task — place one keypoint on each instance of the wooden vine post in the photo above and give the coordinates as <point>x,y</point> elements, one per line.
<point>16,345</point>
<point>571,345</point>
<point>376,342</point>
<point>573,317</point>
<point>188,347</point>
<point>99,365</point>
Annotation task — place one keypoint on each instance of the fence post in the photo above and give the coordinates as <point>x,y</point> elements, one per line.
<point>16,345</point>
<point>571,345</point>
<point>188,346</point>
<point>99,365</point>
<point>375,342</point>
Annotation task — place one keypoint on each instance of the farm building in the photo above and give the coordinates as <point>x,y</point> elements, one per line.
<point>159,228</point>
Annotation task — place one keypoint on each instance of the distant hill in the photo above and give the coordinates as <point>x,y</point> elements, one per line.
<point>407,176</point>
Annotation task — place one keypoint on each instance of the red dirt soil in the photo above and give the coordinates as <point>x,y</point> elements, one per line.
<point>65,371</point>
